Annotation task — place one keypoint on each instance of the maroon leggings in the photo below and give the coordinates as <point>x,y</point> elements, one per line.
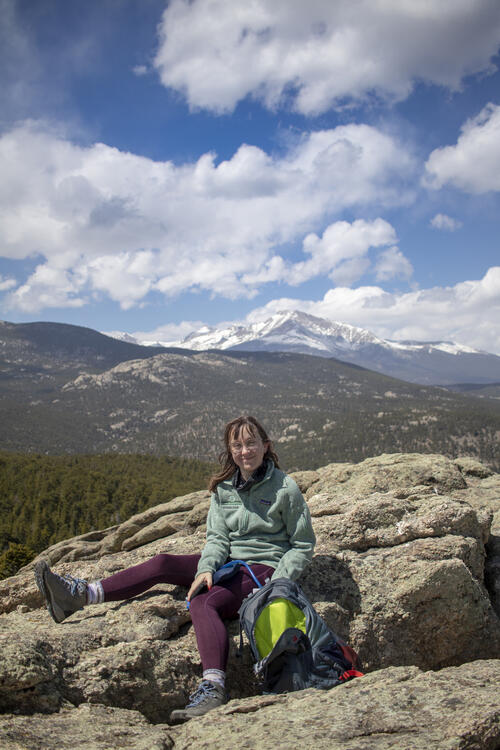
<point>207,609</point>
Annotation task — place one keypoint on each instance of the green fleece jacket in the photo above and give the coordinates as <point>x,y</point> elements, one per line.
<point>268,524</point>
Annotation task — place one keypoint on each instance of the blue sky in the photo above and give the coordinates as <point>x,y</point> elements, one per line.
<point>169,165</point>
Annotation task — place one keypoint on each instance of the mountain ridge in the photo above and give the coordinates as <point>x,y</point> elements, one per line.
<point>424,362</point>
<point>67,399</point>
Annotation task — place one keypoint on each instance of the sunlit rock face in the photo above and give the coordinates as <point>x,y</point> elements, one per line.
<point>406,568</point>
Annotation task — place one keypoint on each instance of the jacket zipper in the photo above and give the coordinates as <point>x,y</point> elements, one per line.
<point>246,514</point>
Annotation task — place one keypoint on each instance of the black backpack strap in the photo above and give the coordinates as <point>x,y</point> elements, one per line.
<point>239,652</point>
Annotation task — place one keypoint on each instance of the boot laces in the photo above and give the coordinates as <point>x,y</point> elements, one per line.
<point>205,690</point>
<point>74,585</point>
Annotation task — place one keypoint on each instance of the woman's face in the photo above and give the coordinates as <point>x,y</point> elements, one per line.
<point>247,451</point>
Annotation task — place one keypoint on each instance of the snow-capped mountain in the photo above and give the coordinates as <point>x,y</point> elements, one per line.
<point>127,337</point>
<point>286,331</point>
<point>437,362</point>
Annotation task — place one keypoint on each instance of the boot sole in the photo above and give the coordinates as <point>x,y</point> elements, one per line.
<point>40,570</point>
<point>181,715</point>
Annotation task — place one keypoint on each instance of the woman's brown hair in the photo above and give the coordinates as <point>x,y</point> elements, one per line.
<point>232,431</point>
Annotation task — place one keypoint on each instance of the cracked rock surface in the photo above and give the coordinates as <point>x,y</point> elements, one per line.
<point>406,569</point>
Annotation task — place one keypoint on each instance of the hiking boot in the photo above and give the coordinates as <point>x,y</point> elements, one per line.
<point>63,594</point>
<point>209,695</point>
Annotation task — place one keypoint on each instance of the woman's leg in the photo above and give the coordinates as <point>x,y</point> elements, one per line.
<point>65,594</point>
<point>207,611</point>
<point>179,570</point>
<point>222,601</point>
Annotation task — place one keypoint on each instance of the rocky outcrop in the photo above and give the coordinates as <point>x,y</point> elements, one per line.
<point>398,708</point>
<point>406,569</point>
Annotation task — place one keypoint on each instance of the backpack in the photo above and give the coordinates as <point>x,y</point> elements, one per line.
<point>292,646</point>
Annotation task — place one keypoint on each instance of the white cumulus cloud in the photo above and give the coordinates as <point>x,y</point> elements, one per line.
<point>140,70</point>
<point>340,253</point>
<point>48,287</point>
<point>473,163</point>
<point>445,222</point>
<point>107,222</point>
<point>319,54</point>
<point>6,283</point>
<point>392,264</point>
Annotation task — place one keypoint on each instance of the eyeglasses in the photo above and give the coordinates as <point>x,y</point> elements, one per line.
<point>250,445</point>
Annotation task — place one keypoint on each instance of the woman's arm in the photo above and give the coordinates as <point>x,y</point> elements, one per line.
<point>298,524</point>
<point>216,549</point>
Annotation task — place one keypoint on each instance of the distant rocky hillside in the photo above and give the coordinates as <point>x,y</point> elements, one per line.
<point>491,390</point>
<point>431,362</point>
<point>47,347</point>
<point>406,568</point>
<point>316,409</point>
<point>60,394</point>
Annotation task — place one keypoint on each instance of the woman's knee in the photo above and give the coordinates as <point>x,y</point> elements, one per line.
<point>160,564</point>
<point>207,603</point>
<point>199,604</point>
<point>218,602</point>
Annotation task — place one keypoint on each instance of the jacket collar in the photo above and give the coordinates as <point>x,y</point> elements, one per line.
<point>258,475</point>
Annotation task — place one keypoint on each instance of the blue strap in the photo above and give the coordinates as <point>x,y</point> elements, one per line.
<point>247,566</point>
<point>232,564</point>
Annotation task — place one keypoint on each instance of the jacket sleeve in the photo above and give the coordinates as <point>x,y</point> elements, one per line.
<point>297,520</point>
<point>216,549</point>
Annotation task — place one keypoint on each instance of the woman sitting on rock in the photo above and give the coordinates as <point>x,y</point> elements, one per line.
<point>257,515</point>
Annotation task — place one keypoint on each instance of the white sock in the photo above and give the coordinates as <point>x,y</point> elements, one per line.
<point>95,593</point>
<point>215,675</point>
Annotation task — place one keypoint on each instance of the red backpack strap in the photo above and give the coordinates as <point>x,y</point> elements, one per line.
<point>350,674</point>
<point>350,655</point>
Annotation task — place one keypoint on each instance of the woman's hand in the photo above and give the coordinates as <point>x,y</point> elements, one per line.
<point>204,579</point>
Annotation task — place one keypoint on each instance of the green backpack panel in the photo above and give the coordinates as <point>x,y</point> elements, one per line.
<point>292,646</point>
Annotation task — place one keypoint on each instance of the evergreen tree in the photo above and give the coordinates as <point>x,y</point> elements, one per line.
<point>44,499</point>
